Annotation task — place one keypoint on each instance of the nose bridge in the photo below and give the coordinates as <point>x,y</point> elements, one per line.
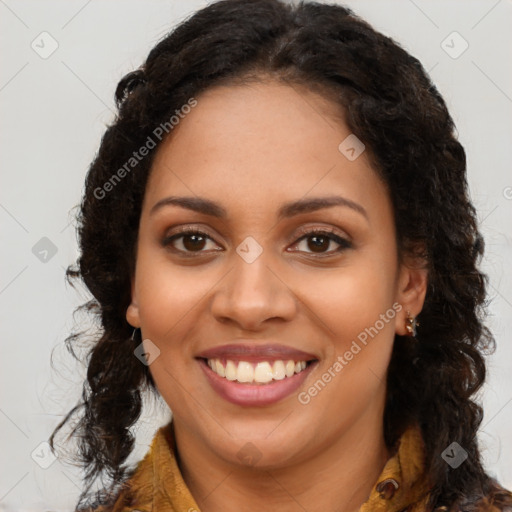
<point>252,278</point>
<point>252,291</point>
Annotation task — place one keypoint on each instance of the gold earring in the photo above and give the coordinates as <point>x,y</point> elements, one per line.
<point>411,324</point>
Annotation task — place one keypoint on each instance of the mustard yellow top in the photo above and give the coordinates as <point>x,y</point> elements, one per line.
<point>158,486</point>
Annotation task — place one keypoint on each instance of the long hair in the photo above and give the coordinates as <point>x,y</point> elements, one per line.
<point>394,108</point>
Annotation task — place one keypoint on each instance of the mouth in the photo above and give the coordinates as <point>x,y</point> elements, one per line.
<point>255,375</point>
<point>262,372</point>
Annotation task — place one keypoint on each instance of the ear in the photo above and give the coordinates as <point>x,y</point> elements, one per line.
<point>411,291</point>
<point>132,311</point>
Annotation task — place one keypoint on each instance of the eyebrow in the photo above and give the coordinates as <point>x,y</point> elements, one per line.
<point>213,209</point>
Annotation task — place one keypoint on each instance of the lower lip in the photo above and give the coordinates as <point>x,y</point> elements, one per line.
<point>255,395</point>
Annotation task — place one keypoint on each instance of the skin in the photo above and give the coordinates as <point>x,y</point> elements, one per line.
<point>252,148</point>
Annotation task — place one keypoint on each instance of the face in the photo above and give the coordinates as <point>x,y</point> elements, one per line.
<point>268,253</point>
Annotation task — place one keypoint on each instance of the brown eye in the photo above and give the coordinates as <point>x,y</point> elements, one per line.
<point>187,241</point>
<point>319,241</point>
<point>193,242</point>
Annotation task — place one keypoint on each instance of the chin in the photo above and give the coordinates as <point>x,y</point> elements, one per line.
<point>260,444</point>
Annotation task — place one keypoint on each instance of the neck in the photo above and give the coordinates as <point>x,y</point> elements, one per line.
<point>339,477</point>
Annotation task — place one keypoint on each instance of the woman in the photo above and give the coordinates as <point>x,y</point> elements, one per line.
<point>279,240</point>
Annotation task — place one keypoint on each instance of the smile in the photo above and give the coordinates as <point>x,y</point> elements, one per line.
<point>261,372</point>
<point>258,383</point>
<point>255,374</point>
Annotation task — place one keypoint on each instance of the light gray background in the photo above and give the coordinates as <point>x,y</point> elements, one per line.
<point>53,112</point>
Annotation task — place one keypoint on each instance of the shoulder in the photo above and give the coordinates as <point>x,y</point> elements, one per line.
<point>117,501</point>
<point>497,499</point>
<point>500,499</point>
<point>137,490</point>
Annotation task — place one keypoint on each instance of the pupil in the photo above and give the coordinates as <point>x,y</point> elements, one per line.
<point>196,244</point>
<point>318,245</point>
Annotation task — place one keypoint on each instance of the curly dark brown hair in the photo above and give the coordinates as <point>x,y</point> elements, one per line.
<point>394,108</point>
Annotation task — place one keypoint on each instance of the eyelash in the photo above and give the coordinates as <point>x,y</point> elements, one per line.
<point>342,242</point>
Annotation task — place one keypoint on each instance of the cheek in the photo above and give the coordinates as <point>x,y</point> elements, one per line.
<point>357,314</point>
<point>170,300</point>
<point>167,294</point>
<point>352,298</point>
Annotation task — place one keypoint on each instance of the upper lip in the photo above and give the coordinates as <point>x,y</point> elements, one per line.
<point>255,352</point>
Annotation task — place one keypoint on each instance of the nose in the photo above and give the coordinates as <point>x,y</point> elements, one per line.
<point>252,294</point>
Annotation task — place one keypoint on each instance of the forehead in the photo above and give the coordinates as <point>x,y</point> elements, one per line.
<point>258,145</point>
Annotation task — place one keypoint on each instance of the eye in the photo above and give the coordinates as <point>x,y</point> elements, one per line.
<point>194,241</point>
<point>320,239</point>
<point>187,241</point>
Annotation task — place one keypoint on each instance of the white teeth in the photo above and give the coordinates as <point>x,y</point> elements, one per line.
<point>245,372</point>
<point>279,371</point>
<point>261,373</point>
<point>230,370</point>
<point>219,368</point>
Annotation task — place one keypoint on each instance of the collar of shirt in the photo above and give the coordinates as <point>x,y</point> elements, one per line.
<point>158,486</point>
